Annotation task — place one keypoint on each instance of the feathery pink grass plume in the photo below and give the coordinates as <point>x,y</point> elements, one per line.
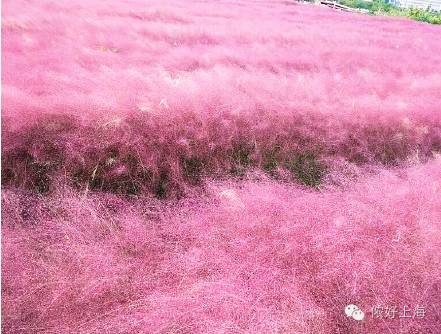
<point>218,167</point>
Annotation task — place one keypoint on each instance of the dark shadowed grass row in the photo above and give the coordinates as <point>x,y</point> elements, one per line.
<point>132,158</point>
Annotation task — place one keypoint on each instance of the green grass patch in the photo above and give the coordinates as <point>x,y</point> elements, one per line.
<point>380,7</point>
<point>306,169</point>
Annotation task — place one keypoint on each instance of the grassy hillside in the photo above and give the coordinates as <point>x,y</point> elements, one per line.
<point>217,167</point>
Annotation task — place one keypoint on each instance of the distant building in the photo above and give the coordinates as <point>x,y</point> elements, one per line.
<point>434,5</point>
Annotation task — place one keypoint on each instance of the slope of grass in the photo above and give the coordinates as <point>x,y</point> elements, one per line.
<point>184,167</point>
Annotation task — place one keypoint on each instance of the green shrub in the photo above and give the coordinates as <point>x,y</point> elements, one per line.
<point>380,7</point>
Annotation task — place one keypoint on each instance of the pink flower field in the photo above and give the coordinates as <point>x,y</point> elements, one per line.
<point>218,167</point>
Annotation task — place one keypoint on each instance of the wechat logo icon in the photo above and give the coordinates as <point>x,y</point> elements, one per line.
<point>354,312</point>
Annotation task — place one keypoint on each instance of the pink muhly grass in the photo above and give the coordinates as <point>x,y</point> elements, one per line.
<point>253,257</point>
<point>217,167</point>
<point>152,99</point>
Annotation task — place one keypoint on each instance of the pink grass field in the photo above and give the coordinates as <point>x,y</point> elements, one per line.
<point>218,167</point>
